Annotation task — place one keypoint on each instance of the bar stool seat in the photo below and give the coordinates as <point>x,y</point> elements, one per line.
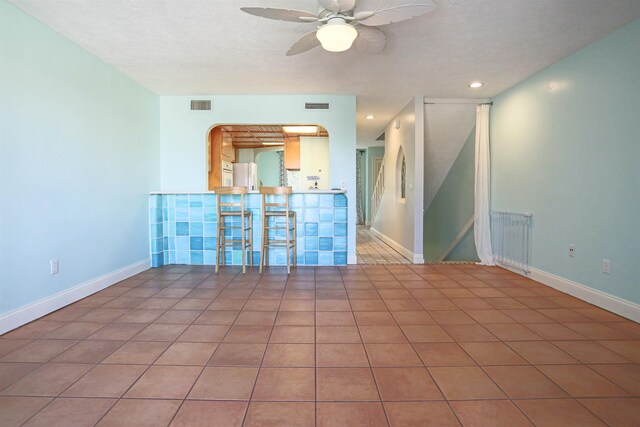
<point>271,209</point>
<point>245,225</point>
<point>235,213</point>
<point>276,213</point>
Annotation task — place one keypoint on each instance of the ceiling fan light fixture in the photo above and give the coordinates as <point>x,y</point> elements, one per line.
<point>336,35</point>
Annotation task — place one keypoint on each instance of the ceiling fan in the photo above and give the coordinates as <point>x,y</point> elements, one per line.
<point>344,23</point>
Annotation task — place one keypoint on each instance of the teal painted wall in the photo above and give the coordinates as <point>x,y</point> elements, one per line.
<point>369,182</point>
<point>565,146</point>
<point>451,209</point>
<point>78,155</point>
<point>268,168</point>
<point>465,250</point>
<point>183,136</point>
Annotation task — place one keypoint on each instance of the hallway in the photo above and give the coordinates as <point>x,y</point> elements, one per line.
<point>373,250</point>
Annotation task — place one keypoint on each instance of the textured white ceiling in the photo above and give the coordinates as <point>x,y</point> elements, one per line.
<point>191,47</point>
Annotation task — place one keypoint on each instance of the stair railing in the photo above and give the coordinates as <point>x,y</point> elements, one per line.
<point>378,190</point>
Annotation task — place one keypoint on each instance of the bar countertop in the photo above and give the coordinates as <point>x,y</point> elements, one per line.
<point>253,192</point>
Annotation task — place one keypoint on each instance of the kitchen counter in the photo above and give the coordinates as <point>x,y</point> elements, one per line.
<point>183,228</point>
<point>253,192</point>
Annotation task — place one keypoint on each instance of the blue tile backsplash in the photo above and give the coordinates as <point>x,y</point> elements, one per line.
<point>183,230</point>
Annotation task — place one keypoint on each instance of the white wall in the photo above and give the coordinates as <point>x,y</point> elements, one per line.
<point>314,161</point>
<point>248,155</point>
<point>78,155</point>
<point>183,136</point>
<point>401,222</point>
<point>245,155</point>
<point>447,127</point>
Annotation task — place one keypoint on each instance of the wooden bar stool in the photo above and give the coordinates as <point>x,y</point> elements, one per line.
<point>231,210</point>
<point>273,209</point>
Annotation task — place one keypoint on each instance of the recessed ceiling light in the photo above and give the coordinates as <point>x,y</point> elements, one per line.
<point>476,85</point>
<point>370,117</point>
<point>300,129</point>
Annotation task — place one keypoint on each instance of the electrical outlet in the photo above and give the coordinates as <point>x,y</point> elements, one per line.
<point>53,266</point>
<point>572,250</point>
<point>606,266</point>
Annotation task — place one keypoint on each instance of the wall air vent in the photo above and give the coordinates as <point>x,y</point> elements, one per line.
<point>200,105</point>
<point>381,137</point>
<point>316,105</point>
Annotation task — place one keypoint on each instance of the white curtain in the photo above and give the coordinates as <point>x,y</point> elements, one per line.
<point>482,223</point>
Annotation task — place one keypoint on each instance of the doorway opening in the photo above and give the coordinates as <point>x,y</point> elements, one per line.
<point>371,248</point>
<point>268,155</point>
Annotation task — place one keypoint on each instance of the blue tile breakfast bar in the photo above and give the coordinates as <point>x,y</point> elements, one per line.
<point>183,228</point>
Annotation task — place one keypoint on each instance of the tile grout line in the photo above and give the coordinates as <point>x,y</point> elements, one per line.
<point>153,363</point>
<point>210,357</point>
<point>94,365</point>
<point>162,353</point>
<point>255,383</point>
<point>426,369</point>
<point>400,280</point>
<point>375,381</point>
<point>315,349</point>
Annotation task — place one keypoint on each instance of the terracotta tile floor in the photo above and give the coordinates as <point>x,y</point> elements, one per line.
<point>378,345</point>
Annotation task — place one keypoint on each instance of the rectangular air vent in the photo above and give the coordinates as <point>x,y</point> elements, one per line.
<point>200,105</point>
<point>316,105</point>
<point>381,137</point>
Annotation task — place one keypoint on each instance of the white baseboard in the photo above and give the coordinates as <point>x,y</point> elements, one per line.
<point>35,310</point>
<point>614,304</point>
<point>508,267</point>
<point>415,258</point>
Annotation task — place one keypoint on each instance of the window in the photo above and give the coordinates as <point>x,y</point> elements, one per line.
<point>401,176</point>
<point>403,179</point>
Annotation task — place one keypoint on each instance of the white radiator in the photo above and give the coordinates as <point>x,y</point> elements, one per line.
<point>511,239</point>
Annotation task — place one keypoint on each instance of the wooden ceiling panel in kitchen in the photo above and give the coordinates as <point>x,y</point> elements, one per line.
<point>258,136</point>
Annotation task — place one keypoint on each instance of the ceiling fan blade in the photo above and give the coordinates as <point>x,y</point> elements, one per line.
<point>305,43</point>
<point>389,11</point>
<point>370,40</point>
<point>281,14</point>
<point>337,5</point>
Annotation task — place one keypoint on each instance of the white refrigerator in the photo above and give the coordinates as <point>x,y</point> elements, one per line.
<point>245,175</point>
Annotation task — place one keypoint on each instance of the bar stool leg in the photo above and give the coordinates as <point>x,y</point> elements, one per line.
<point>223,244</point>
<point>244,248</point>
<point>295,240</point>
<point>218,245</point>
<point>250,238</point>
<point>288,232</point>
<point>262,244</point>
<point>266,245</point>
